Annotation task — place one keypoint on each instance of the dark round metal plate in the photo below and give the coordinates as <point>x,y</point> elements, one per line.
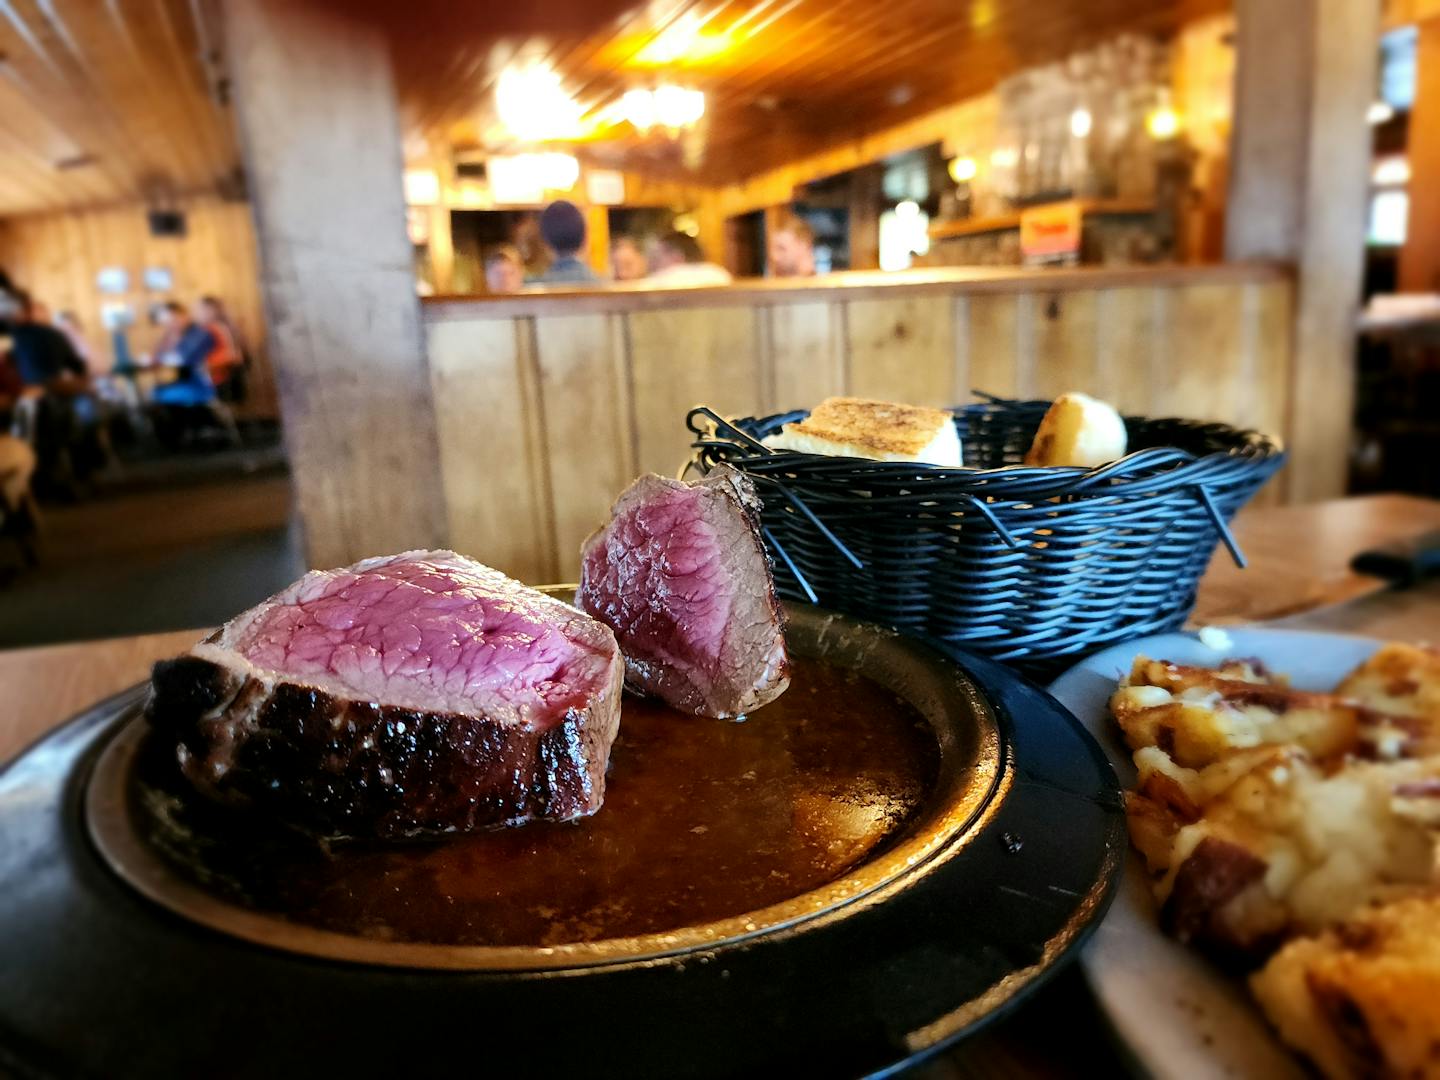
<point>987,893</point>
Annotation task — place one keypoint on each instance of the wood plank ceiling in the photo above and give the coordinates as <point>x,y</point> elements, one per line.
<point>105,101</point>
<point>783,78</point>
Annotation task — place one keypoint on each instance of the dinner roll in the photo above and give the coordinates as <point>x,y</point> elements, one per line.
<point>1078,430</point>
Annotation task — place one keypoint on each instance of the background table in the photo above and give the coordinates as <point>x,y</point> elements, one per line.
<point>1299,575</point>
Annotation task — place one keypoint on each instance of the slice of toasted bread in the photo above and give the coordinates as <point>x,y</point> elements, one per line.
<point>879,430</point>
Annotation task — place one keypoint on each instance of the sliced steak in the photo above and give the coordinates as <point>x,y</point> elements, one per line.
<point>409,694</point>
<point>682,577</point>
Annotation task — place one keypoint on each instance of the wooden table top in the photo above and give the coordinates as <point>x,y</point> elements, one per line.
<point>1299,576</point>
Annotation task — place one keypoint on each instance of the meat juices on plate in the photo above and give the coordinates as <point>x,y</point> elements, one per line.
<point>681,575</point>
<point>407,694</point>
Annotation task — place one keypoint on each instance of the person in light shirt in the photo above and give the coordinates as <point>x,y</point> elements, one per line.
<point>677,262</point>
<point>627,259</point>
<point>791,248</point>
<point>504,270</point>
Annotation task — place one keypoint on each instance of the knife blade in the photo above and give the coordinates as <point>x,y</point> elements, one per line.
<point>1402,563</point>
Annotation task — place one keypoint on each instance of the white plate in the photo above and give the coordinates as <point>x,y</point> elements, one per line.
<point>1182,1018</point>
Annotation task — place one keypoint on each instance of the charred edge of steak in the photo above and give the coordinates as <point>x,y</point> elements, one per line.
<point>742,489</point>
<point>352,768</point>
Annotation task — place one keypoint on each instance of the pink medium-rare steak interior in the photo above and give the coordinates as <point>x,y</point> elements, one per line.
<point>429,631</point>
<point>681,576</point>
<point>658,578</point>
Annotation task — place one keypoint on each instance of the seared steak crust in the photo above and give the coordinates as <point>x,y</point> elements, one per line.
<point>339,764</point>
<point>351,768</point>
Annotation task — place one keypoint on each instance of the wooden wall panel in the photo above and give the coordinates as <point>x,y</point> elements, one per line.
<point>1127,348</point>
<point>683,357</point>
<point>1272,307</point>
<point>1205,359</point>
<point>903,349</point>
<point>805,355</point>
<point>57,256</point>
<point>1065,343</point>
<point>550,416</point>
<point>584,398</point>
<point>488,418</point>
<point>992,345</point>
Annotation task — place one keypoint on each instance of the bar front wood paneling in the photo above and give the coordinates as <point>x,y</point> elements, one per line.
<point>548,405</point>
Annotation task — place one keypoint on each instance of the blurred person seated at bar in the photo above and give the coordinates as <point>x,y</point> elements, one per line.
<point>43,355</point>
<point>17,465</point>
<point>224,362</point>
<point>562,227</point>
<point>504,270</point>
<point>64,416</point>
<point>68,323</point>
<point>627,259</point>
<point>172,324</point>
<point>791,248</point>
<point>187,345</point>
<point>676,261</point>
<point>189,405</point>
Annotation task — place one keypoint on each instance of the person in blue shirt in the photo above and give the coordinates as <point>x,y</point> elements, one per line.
<point>192,344</point>
<point>42,354</point>
<point>562,227</point>
<point>69,443</point>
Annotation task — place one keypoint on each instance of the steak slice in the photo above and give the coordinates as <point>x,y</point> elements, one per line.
<point>682,577</point>
<point>404,695</point>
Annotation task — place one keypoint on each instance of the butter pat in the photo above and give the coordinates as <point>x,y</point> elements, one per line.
<point>877,430</point>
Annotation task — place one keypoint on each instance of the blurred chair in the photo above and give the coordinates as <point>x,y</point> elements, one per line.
<point>19,514</point>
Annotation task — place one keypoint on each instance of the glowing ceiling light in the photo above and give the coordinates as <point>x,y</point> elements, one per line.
<point>638,107</point>
<point>1080,123</point>
<point>1005,157</point>
<point>1163,123</point>
<point>1379,112</point>
<point>677,108</point>
<point>534,106</point>
<point>525,178</point>
<point>422,187</point>
<point>684,41</point>
<point>963,169</point>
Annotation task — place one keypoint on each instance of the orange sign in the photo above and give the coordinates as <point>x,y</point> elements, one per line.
<point>1051,233</point>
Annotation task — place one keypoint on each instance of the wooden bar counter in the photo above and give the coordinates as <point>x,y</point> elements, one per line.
<point>548,404</point>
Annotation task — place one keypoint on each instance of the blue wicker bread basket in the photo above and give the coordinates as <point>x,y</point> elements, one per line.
<point>1033,566</point>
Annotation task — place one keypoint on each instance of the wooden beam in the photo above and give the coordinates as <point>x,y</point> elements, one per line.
<point>597,236</point>
<point>865,198</point>
<point>1420,257</point>
<point>1300,161</point>
<point>321,136</point>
